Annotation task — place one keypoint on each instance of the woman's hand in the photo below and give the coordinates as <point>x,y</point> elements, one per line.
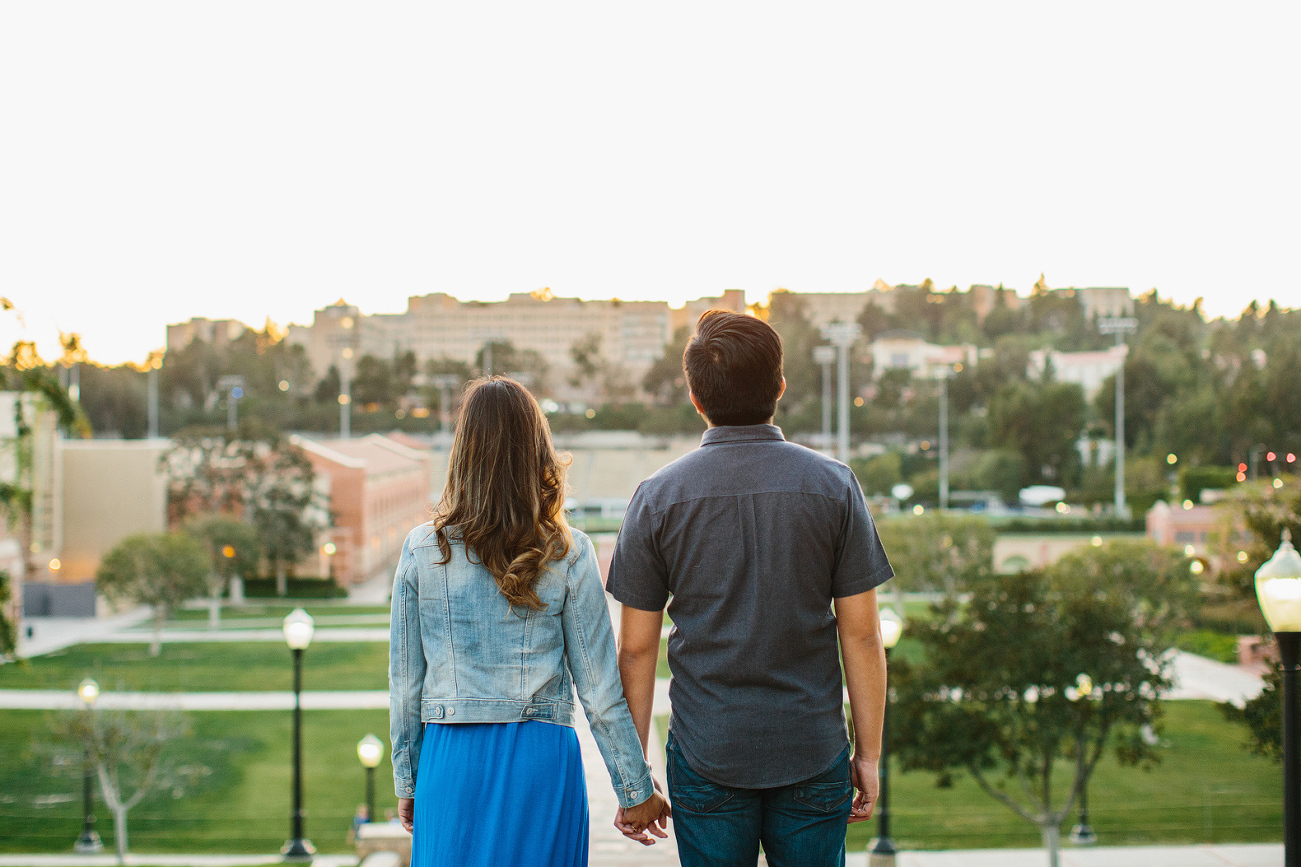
<point>407,813</point>
<point>650,815</point>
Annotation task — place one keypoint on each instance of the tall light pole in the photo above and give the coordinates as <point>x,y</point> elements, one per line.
<point>298,628</point>
<point>370,750</point>
<point>1119,326</point>
<point>825,356</point>
<point>883,852</point>
<point>89,840</point>
<point>1278,588</point>
<point>944,438</point>
<point>445,382</point>
<point>842,335</point>
<point>1082,834</point>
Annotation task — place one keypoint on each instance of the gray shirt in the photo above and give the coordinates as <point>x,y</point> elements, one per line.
<point>749,539</point>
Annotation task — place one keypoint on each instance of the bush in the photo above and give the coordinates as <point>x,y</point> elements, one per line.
<point>1220,646</point>
<point>1194,480</point>
<point>299,588</point>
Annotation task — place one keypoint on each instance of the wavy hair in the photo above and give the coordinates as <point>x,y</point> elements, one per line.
<point>505,491</point>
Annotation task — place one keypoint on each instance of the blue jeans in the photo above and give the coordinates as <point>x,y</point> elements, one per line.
<point>800,825</point>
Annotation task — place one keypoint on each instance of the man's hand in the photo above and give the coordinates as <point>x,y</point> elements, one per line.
<point>650,815</point>
<point>864,775</point>
<point>407,813</point>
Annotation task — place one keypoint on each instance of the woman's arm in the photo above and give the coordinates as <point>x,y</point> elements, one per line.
<point>406,676</point>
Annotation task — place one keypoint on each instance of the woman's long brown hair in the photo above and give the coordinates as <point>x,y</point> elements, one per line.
<point>505,493</point>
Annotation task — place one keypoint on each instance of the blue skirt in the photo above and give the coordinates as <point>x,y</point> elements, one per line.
<point>500,794</point>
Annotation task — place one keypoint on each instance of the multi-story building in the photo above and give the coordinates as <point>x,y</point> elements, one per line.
<point>214,332</point>
<point>379,490</point>
<point>904,349</point>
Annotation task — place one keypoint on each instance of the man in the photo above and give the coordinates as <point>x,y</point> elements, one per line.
<point>752,541</point>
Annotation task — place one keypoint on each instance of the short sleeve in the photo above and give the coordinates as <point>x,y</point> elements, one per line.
<point>638,576</point>
<point>861,562</point>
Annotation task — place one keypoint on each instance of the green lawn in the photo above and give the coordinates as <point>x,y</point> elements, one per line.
<point>275,613</point>
<point>204,667</point>
<point>240,804</point>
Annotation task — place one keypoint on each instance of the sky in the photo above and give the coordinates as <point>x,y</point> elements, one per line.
<point>163,160</point>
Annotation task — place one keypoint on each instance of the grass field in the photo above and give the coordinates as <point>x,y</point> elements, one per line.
<point>186,617</point>
<point>241,804</point>
<point>203,667</point>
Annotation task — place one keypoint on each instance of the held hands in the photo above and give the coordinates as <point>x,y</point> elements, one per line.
<point>407,813</point>
<point>863,775</point>
<point>650,815</point>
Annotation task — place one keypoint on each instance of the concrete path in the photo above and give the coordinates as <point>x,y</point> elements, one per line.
<point>1229,855</point>
<point>1202,678</point>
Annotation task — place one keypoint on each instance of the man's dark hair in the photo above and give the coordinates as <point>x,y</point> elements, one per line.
<point>734,368</point>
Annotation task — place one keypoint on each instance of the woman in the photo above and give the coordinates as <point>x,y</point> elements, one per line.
<point>498,614</point>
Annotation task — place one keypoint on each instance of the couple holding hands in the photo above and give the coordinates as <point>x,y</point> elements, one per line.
<point>766,557</point>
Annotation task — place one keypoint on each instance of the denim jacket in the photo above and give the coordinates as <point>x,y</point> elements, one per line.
<point>459,653</point>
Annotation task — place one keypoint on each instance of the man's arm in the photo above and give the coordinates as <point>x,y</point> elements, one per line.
<point>639,650</point>
<point>863,655</point>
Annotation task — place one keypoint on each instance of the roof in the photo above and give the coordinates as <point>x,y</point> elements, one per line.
<point>375,454</point>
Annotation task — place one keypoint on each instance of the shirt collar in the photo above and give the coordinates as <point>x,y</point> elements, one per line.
<point>742,433</point>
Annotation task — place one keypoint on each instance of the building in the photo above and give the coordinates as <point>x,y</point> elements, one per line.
<point>29,550</point>
<point>379,491</point>
<point>894,350</point>
<point>214,332</point>
<point>1188,526</point>
<point>630,335</point>
<point>1104,301</point>
<point>1088,369</point>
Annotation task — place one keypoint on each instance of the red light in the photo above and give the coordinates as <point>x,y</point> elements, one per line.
<point>1242,477</point>
<point>1242,468</point>
<point>1291,458</point>
<point>1270,456</point>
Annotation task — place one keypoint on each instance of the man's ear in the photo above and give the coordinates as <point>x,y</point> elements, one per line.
<point>781,390</point>
<point>696,404</point>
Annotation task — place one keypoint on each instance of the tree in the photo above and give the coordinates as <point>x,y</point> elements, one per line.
<point>263,477</point>
<point>1042,421</point>
<point>666,381</point>
<point>233,549</point>
<point>7,636</point>
<point>158,569</point>
<point>939,552</point>
<point>1043,666</point>
<point>133,753</point>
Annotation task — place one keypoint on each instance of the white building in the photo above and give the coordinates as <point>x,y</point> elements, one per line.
<point>904,349</point>
<point>1088,369</point>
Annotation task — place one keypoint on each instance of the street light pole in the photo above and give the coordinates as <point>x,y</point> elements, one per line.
<point>370,750</point>
<point>445,382</point>
<point>89,840</point>
<point>1119,326</point>
<point>298,628</point>
<point>1278,588</point>
<point>944,439</point>
<point>883,852</point>
<point>155,362</point>
<point>825,356</point>
<point>843,335</point>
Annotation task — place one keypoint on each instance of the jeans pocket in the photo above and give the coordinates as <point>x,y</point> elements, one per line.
<point>690,790</point>
<point>823,797</point>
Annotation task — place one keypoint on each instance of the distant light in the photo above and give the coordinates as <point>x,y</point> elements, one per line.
<point>926,444</point>
<point>591,413</point>
<point>344,400</point>
<point>1291,458</point>
<point>329,549</point>
<point>1278,483</point>
<point>346,322</point>
<point>88,691</point>
<point>1063,509</point>
<point>1189,550</point>
<point>347,352</point>
<point>1242,556</point>
<point>957,368</point>
<point>1171,458</point>
<point>370,750</point>
<point>420,412</point>
<point>284,385</point>
<point>1196,567</point>
<point>237,392</point>
<point>1270,456</point>
<point>228,551</point>
<point>918,509</point>
<point>858,401</point>
<point>1188,504</point>
<point>56,564</point>
<point>1242,477</point>
<point>298,628</point>
<point>1242,468</point>
<point>1097,541</point>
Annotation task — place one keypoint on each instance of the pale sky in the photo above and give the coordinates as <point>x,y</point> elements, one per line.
<point>163,160</point>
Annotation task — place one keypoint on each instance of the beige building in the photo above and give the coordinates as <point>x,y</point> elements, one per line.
<point>631,334</point>
<point>903,349</point>
<point>1088,369</point>
<point>214,332</point>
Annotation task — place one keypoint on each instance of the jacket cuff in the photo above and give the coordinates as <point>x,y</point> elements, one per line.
<point>404,788</point>
<point>634,793</point>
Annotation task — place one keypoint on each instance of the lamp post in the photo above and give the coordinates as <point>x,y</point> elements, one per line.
<point>370,750</point>
<point>944,438</point>
<point>89,840</point>
<point>298,628</point>
<point>1278,587</point>
<point>825,356</point>
<point>155,361</point>
<point>1119,326</point>
<point>842,335</point>
<point>883,852</point>
<point>1082,834</point>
